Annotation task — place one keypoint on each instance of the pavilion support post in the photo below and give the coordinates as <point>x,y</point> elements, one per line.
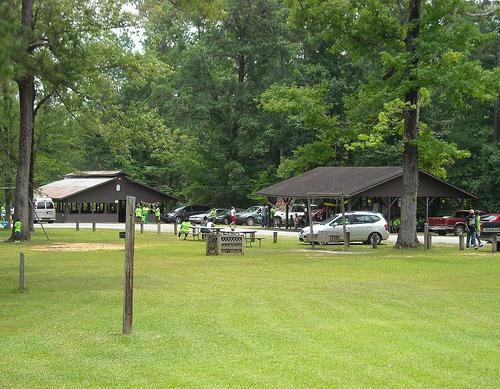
<point>344,227</point>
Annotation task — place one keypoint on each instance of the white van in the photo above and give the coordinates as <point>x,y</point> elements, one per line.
<point>44,210</point>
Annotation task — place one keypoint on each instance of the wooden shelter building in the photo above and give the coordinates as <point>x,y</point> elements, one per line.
<point>374,188</point>
<point>99,196</point>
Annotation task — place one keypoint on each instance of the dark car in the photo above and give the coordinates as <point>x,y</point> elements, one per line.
<point>249,216</point>
<point>184,211</point>
<point>225,218</point>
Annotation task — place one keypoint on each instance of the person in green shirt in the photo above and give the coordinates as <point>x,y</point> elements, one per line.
<point>138,214</point>
<point>157,214</point>
<point>185,225</point>
<point>18,227</point>
<point>145,213</point>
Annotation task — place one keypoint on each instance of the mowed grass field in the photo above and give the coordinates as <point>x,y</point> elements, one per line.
<point>283,315</point>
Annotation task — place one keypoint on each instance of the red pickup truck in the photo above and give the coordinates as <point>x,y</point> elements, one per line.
<point>449,224</point>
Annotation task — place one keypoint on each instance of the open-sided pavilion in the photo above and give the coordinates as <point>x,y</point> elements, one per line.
<point>376,188</point>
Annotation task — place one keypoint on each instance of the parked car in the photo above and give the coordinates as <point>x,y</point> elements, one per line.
<point>490,224</point>
<point>363,226</point>
<point>187,210</point>
<point>225,218</point>
<point>449,224</point>
<point>249,216</point>
<point>44,210</point>
<point>198,218</point>
<point>296,209</point>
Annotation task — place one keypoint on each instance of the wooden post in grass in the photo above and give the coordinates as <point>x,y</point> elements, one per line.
<point>461,244</point>
<point>426,237</point>
<point>347,240</point>
<point>129,266</point>
<point>158,228</point>
<point>275,237</point>
<point>175,228</point>
<point>142,227</point>
<point>494,242</point>
<point>93,226</point>
<point>21,271</point>
<point>77,225</point>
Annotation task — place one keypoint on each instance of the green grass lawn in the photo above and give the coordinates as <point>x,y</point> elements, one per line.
<point>283,315</point>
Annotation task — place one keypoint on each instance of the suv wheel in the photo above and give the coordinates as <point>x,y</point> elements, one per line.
<point>225,221</point>
<point>277,221</point>
<point>374,237</point>
<point>178,220</point>
<point>250,221</point>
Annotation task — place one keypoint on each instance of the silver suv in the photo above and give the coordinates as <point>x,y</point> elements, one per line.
<point>364,226</point>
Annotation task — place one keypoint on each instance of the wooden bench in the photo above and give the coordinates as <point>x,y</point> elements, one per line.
<point>248,241</point>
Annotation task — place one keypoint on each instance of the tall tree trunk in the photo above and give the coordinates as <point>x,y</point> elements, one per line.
<point>407,237</point>
<point>26,85</point>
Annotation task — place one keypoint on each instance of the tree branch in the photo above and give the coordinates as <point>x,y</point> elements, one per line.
<point>41,102</point>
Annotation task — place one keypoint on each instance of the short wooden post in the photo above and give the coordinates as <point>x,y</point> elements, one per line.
<point>21,271</point>
<point>93,226</point>
<point>494,243</point>
<point>429,241</point>
<point>142,227</point>
<point>347,240</point>
<point>461,244</point>
<point>374,241</point>
<point>426,234</point>
<point>175,228</point>
<point>129,266</point>
<point>78,226</point>
<point>158,228</point>
<point>275,237</point>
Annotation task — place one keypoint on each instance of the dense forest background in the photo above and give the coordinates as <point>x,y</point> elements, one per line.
<point>221,98</point>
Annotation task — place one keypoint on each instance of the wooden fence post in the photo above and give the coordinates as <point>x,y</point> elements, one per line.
<point>426,236</point>
<point>175,228</point>
<point>129,266</point>
<point>78,226</point>
<point>461,244</point>
<point>93,226</point>
<point>275,237</point>
<point>158,228</point>
<point>142,227</point>
<point>21,271</point>
<point>347,240</point>
<point>494,242</point>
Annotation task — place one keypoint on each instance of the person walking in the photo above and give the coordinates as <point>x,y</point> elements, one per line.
<point>470,223</point>
<point>233,217</point>
<point>478,229</point>
<point>18,227</point>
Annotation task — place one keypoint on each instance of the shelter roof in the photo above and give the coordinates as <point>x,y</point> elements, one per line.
<point>352,181</point>
<point>71,186</point>
<point>96,173</point>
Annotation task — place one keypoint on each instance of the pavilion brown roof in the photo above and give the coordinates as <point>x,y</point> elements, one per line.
<point>352,181</point>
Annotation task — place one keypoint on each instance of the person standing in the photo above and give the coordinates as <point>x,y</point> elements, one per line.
<point>18,227</point>
<point>138,214</point>
<point>272,211</point>
<point>157,214</point>
<point>263,216</point>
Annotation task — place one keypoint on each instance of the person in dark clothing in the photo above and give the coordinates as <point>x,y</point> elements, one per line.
<point>470,224</point>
